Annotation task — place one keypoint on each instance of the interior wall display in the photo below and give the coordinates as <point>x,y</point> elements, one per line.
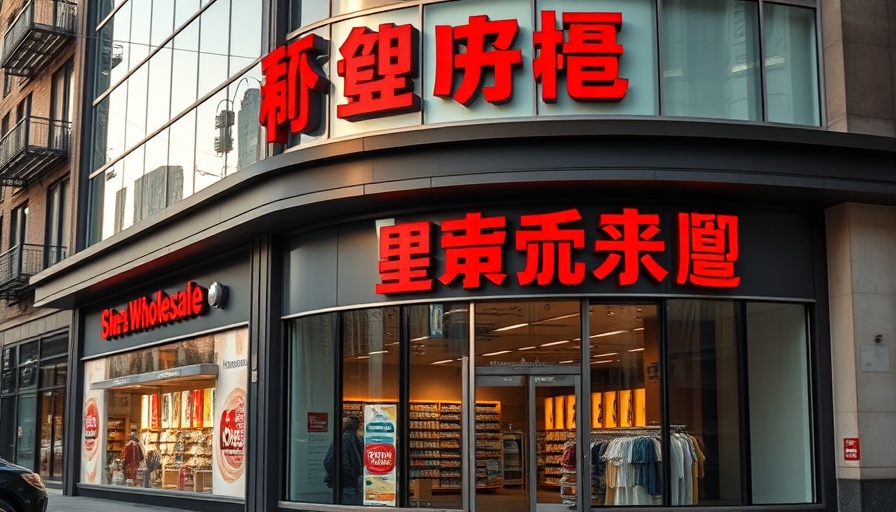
<point>559,412</point>
<point>549,413</point>
<point>611,412</point>
<point>640,407</point>
<point>626,408</point>
<point>570,412</point>
<point>597,410</point>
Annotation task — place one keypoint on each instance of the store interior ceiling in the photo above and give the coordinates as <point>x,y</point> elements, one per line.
<point>512,331</point>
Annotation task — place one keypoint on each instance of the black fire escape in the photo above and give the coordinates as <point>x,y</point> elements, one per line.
<point>38,33</point>
<point>18,264</point>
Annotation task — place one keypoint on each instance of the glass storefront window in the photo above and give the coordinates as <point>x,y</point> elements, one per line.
<point>780,451</point>
<point>529,406</point>
<point>26,430</point>
<point>625,414</point>
<point>704,400</point>
<point>547,332</point>
<point>312,393</point>
<point>171,417</point>
<point>370,374</point>
<point>438,343</point>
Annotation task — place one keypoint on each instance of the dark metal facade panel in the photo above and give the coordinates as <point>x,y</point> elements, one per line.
<point>513,161</point>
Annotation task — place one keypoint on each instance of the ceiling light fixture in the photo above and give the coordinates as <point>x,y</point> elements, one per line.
<point>637,349</point>
<point>602,362</point>
<point>607,354</point>
<point>610,333</point>
<point>526,348</point>
<point>511,327</point>
<point>490,354</point>
<point>554,343</point>
<point>443,361</point>
<point>421,338</point>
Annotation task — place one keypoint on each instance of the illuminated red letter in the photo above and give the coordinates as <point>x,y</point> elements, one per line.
<point>473,248</point>
<point>549,247</point>
<point>707,249</point>
<point>473,36</point>
<point>590,58</point>
<point>292,86</point>
<point>628,245</point>
<point>378,68</point>
<point>404,258</point>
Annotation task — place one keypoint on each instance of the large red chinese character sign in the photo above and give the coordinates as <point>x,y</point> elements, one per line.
<point>707,249</point>
<point>553,245</point>
<point>487,47</point>
<point>293,83</point>
<point>378,69</point>
<point>549,247</point>
<point>404,258</point>
<point>589,57</point>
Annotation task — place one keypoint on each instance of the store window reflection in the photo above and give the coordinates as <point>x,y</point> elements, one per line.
<point>438,342</point>
<point>312,394</point>
<point>704,401</point>
<point>625,405</point>
<point>781,451</point>
<point>546,332</point>
<point>370,384</point>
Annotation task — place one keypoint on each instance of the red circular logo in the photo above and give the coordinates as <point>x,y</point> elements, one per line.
<point>91,424</point>
<point>379,458</point>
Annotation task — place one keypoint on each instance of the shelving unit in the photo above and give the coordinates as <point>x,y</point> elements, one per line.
<point>435,443</point>
<point>489,446</point>
<point>179,447</point>
<point>514,458</point>
<point>116,437</point>
<point>552,451</point>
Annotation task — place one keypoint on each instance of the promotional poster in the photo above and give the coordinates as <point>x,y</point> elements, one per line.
<point>379,454</point>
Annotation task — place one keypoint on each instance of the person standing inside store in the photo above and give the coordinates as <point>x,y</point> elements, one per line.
<point>351,468</point>
<point>132,456</point>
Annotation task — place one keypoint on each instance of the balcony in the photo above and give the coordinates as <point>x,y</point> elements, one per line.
<point>39,32</point>
<point>18,264</point>
<point>34,146</point>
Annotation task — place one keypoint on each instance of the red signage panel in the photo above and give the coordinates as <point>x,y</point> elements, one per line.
<point>149,312</point>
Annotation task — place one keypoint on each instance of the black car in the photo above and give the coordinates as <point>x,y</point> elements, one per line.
<point>21,490</point>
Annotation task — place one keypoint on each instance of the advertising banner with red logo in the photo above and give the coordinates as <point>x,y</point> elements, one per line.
<point>230,413</point>
<point>93,447</point>
<point>379,454</point>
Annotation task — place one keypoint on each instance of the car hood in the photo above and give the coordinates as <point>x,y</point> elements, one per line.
<point>5,465</point>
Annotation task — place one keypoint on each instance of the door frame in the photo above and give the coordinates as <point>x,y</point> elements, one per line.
<point>529,379</point>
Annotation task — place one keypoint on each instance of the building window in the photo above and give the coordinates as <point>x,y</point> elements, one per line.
<point>7,84</point>
<point>669,377</point>
<point>61,106</point>
<point>57,237</point>
<point>18,223</point>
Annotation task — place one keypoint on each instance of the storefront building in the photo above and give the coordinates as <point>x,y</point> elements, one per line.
<point>516,255</point>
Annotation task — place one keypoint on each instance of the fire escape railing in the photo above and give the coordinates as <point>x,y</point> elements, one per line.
<point>33,146</point>
<point>39,31</point>
<point>19,263</point>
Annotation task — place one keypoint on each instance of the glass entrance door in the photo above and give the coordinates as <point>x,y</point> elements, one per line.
<point>530,465</point>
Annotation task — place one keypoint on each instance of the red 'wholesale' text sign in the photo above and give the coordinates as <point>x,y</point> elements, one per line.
<point>161,309</point>
<point>379,68</point>
<point>553,244</point>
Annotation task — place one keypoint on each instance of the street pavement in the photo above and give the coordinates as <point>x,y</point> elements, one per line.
<point>60,503</point>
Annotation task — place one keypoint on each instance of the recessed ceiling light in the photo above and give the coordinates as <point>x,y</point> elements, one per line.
<point>511,327</point>
<point>610,333</point>
<point>554,343</point>
<point>490,354</point>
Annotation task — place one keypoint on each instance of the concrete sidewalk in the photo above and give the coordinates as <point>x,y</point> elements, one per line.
<point>60,503</point>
